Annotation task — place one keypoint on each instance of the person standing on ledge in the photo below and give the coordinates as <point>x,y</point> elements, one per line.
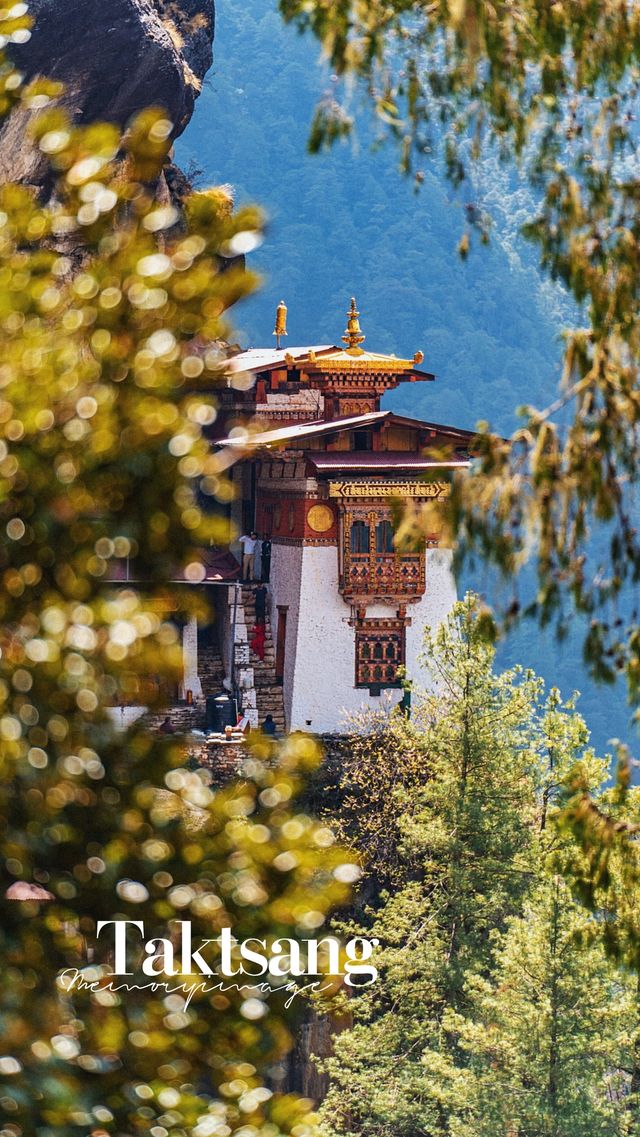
<point>260,597</point>
<point>266,559</point>
<point>248,553</point>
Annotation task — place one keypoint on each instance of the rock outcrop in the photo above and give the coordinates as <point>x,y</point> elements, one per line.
<point>114,57</point>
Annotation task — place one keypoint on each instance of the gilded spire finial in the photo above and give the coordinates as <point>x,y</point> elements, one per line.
<point>281,323</point>
<point>353,336</point>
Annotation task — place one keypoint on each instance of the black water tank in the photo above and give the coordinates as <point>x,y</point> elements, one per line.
<point>222,711</point>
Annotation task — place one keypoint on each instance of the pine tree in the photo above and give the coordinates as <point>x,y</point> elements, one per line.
<point>551,1036</point>
<point>467,848</point>
<point>544,1035</point>
<point>498,1013</point>
<point>602,865</point>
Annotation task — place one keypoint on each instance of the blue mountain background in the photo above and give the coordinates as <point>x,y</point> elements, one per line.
<point>348,223</point>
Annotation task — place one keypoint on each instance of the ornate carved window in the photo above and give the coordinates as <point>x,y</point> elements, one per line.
<point>384,537</point>
<point>370,565</point>
<point>359,539</point>
<point>380,652</point>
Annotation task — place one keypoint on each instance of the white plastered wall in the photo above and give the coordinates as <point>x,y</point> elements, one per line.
<point>284,590</point>
<point>190,678</point>
<point>320,647</point>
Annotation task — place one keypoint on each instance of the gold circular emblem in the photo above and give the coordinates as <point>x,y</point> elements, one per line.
<point>320,518</point>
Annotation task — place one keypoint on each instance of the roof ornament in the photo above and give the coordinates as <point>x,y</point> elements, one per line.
<point>353,336</point>
<point>281,323</point>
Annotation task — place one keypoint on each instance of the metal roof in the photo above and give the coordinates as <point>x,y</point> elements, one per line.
<point>439,427</point>
<point>299,431</point>
<point>329,462</point>
<point>266,358</point>
<point>304,430</point>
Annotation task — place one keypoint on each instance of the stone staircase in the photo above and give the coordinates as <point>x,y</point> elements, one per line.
<point>268,692</point>
<point>187,718</point>
<point>210,670</point>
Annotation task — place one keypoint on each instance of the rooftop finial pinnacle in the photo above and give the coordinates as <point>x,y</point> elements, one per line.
<point>353,336</point>
<point>281,323</point>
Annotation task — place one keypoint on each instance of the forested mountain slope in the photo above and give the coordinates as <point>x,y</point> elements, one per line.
<point>347,223</point>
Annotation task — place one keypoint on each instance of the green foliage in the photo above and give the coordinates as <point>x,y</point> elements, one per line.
<point>111,304</point>
<point>606,873</point>
<point>545,1035</point>
<point>498,1011</point>
<point>130,835</point>
<point>375,765</point>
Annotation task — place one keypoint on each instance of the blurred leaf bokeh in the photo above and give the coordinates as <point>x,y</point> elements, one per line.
<point>113,312</point>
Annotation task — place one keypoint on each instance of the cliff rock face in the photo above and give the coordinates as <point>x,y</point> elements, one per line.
<point>115,57</point>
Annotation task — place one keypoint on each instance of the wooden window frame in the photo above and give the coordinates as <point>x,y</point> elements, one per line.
<point>384,633</point>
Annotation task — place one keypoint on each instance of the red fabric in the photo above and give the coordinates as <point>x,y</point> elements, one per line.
<point>257,640</point>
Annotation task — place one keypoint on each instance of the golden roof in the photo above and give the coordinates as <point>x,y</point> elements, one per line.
<point>354,358</point>
<point>346,360</point>
<point>327,359</point>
